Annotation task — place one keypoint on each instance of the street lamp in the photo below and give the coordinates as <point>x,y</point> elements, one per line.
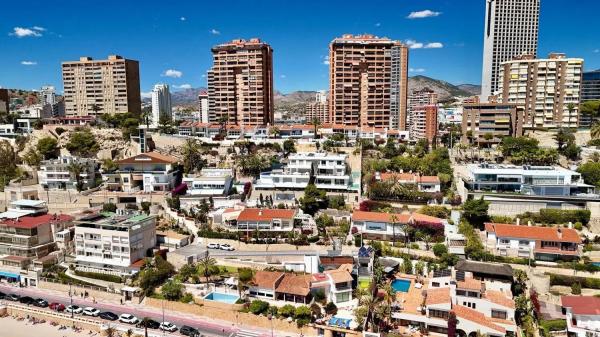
<point>71,300</point>
<point>271,319</point>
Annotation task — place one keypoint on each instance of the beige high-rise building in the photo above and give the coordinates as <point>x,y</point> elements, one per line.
<point>488,123</point>
<point>368,81</point>
<point>318,109</point>
<point>240,83</point>
<point>96,87</point>
<point>419,106</point>
<point>549,89</point>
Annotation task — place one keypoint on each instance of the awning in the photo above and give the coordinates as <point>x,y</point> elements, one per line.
<point>130,289</point>
<point>10,275</point>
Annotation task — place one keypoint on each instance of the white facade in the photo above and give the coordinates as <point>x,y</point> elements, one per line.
<point>510,29</point>
<point>48,93</point>
<point>203,108</point>
<point>210,182</point>
<point>161,103</point>
<point>583,317</point>
<point>56,173</point>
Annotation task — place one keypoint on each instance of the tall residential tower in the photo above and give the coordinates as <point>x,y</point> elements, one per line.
<point>511,29</point>
<point>161,104</point>
<point>240,83</point>
<point>368,81</point>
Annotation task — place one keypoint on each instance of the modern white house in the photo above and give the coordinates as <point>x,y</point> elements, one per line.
<point>60,174</point>
<point>387,226</point>
<point>210,182</point>
<point>148,172</point>
<point>582,315</point>
<point>112,243</point>
<point>263,220</point>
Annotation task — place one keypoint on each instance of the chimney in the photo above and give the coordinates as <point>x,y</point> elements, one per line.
<point>260,212</point>
<point>518,221</point>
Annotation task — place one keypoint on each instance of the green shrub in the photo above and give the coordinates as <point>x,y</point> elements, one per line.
<point>330,308</point>
<point>552,325</point>
<point>578,226</point>
<point>258,307</point>
<point>287,310</point>
<point>576,288</point>
<point>99,276</point>
<point>439,249</point>
<point>557,216</point>
<point>564,280</point>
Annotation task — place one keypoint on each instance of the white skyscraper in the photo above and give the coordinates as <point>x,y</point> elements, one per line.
<point>511,29</point>
<point>203,106</point>
<point>48,94</point>
<point>161,103</point>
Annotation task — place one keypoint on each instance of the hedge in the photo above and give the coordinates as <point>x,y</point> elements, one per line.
<point>557,216</point>
<point>99,276</point>
<point>552,325</point>
<point>564,280</point>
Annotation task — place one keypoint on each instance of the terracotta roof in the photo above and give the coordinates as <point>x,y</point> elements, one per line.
<point>294,284</point>
<point>379,216</point>
<point>437,296</point>
<point>339,276</point>
<point>14,258</point>
<point>138,264</point>
<point>533,232</point>
<point>500,298</point>
<point>265,214</point>
<point>418,217</point>
<point>149,157</point>
<point>470,284</point>
<point>266,279</point>
<point>582,305</point>
<point>476,317</point>
<point>29,222</point>
<point>408,177</point>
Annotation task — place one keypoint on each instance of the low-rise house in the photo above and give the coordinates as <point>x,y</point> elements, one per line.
<point>484,271</point>
<point>8,131</point>
<point>210,182</point>
<point>389,226</point>
<point>172,240</point>
<point>539,243</point>
<point>148,172</point>
<point>274,221</point>
<point>24,207</point>
<point>297,131</point>
<point>61,173</point>
<point>423,183</point>
<point>340,285</point>
<point>109,243</point>
<point>582,315</point>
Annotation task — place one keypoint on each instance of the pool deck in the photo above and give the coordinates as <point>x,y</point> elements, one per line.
<point>412,299</point>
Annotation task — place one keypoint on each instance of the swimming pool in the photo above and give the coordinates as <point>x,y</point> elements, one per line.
<point>220,297</point>
<point>401,285</point>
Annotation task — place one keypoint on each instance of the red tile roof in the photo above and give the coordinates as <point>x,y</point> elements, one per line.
<point>476,317</point>
<point>266,279</point>
<point>470,284</point>
<point>29,222</point>
<point>437,296</point>
<point>500,298</point>
<point>149,157</point>
<point>379,216</point>
<point>409,177</point>
<point>265,214</point>
<point>582,305</point>
<point>533,232</point>
<point>295,284</point>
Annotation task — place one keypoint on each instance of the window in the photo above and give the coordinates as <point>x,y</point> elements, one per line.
<point>504,241</point>
<point>498,314</point>
<point>438,313</point>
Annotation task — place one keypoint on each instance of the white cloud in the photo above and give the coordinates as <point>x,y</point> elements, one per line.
<point>172,73</point>
<point>596,50</point>
<point>183,86</point>
<point>423,14</point>
<point>182,18</point>
<point>326,60</point>
<point>412,44</point>
<point>38,28</point>
<point>28,63</point>
<point>434,45</point>
<point>378,24</point>
<point>416,70</point>
<point>215,32</point>
<point>26,32</point>
<point>146,94</point>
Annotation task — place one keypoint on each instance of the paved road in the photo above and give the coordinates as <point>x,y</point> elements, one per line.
<point>208,328</point>
<point>218,252</point>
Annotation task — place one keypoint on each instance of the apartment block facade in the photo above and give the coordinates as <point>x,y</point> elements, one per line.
<point>424,123</point>
<point>511,29</point>
<point>240,83</point>
<point>96,87</point>
<point>60,173</point>
<point>368,81</point>
<point>494,119</point>
<point>549,89</point>
<point>161,104</point>
<point>318,109</point>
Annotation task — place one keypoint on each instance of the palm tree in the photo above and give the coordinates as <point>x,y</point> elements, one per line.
<point>595,130</point>
<point>207,263</point>
<point>110,332</point>
<point>382,313</point>
<point>129,333</point>
<point>274,131</point>
<point>192,157</point>
<point>316,123</point>
<point>369,303</point>
<point>144,322</point>
<point>95,108</point>
<point>394,221</point>
<point>76,169</point>
<point>147,116</point>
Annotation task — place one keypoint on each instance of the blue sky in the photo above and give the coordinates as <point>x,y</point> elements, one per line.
<point>177,35</point>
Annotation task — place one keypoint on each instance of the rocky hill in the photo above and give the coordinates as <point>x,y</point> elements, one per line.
<point>444,89</point>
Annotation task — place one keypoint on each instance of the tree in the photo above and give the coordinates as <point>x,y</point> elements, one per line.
<point>595,130</point>
<point>316,122</point>
<point>110,331</point>
<point>172,290</point>
<point>76,169</point>
<point>165,124</point>
<point>258,307</point>
<point>32,158</point>
<point>47,147</point>
<point>475,211</point>
<point>109,165</point>
<point>253,164</point>
<point>206,265</point>
<point>452,322</point>
<point>83,144</point>
<point>563,137</point>
<point>245,275</point>
<point>192,156</point>
<point>187,271</point>
<point>435,211</point>
<point>590,172</point>
<point>313,200</point>
<point>439,249</point>
<point>8,162</point>
<point>109,207</point>
<point>289,146</point>
<point>488,137</point>
<point>407,266</point>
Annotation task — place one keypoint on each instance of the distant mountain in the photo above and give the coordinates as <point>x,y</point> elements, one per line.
<point>186,96</point>
<point>474,89</point>
<point>444,89</point>
<point>294,97</point>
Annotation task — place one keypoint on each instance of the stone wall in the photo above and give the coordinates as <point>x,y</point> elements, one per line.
<point>92,293</point>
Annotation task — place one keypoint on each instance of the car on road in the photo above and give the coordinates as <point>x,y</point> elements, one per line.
<point>26,300</point>
<point>109,316</point>
<point>40,302</point>
<point>226,247</point>
<point>189,331</point>
<point>148,323</point>
<point>213,246</point>
<point>168,326</point>
<point>128,318</point>
<point>89,311</point>
<point>74,309</point>
<point>12,297</point>
<point>57,306</point>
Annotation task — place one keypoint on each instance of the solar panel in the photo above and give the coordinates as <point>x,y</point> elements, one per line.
<point>460,275</point>
<point>442,273</point>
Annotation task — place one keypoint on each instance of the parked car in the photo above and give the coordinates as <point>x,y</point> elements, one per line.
<point>40,302</point>
<point>74,309</point>
<point>168,326</point>
<point>12,297</point>
<point>89,311</point>
<point>57,306</point>
<point>226,247</point>
<point>26,300</point>
<point>189,331</point>
<point>128,318</point>
<point>109,316</point>
<point>213,246</point>
<point>148,323</point>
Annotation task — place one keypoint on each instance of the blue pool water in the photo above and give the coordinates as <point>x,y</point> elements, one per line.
<point>220,297</point>
<point>597,264</point>
<point>401,285</point>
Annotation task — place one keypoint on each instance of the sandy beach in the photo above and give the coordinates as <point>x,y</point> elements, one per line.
<point>10,327</point>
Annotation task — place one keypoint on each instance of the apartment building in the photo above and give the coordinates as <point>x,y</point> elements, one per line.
<point>111,243</point>
<point>510,30</point>
<point>418,102</point>
<point>582,315</point>
<point>240,83</point>
<point>488,123</point>
<point>96,87</point>
<point>202,106</point>
<point>368,81</point>
<point>161,104</point>
<point>318,109</point>
<point>389,226</point>
<point>539,243</point>
<point>31,236</point>
<point>424,123</point>
<point>148,172</point>
<point>61,173</point>
<point>210,182</point>
<point>549,89</point>
<point>590,91</point>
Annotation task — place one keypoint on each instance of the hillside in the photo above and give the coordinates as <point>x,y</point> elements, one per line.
<point>444,89</point>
